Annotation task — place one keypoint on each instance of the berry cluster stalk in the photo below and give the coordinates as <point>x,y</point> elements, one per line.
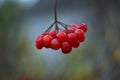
<point>55,15</point>
<point>56,22</point>
<point>55,11</point>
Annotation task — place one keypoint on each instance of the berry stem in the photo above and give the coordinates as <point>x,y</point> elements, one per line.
<point>50,27</point>
<point>56,22</point>
<point>55,14</point>
<point>63,25</point>
<point>55,11</point>
<point>56,27</point>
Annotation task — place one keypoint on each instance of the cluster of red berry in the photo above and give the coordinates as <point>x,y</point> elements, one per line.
<point>65,39</point>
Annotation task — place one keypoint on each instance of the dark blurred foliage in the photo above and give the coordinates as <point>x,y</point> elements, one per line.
<point>98,58</point>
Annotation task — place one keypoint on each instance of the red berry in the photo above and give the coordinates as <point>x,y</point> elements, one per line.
<point>83,26</point>
<point>47,40</point>
<point>61,36</point>
<point>74,26</point>
<point>55,44</point>
<point>82,38</point>
<point>45,33</point>
<point>71,37</point>
<point>64,30</point>
<point>53,33</point>
<point>39,42</point>
<point>66,47</point>
<point>71,30</point>
<point>80,35</point>
<point>76,44</point>
<point>39,39</point>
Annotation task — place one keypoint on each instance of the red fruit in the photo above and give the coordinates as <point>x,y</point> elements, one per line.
<point>39,42</point>
<point>76,44</point>
<point>47,40</point>
<point>55,44</point>
<point>66,47</point>
<point>71,30</point>
<point>83,26</point>
<point>71,37</point>
<point>61,36</point>
<point>45,33</point>
<point>64,30</point>
<point>53,33</point>
<point>82,38</point>
<point>74,26</point>
<point>80,35</point>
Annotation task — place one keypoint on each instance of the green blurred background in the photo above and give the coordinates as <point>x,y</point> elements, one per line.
<point>98,58</point>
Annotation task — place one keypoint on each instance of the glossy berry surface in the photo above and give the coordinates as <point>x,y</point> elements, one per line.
<point>55,44</point>
<point>61,36</point>
<point>74,26</point>
<point>83,26</point>
<point>47,40</point>
<point>39,42</point>
<point>76,44</point>
<point>71,37</point>
<point>53,33</point>
<point>66,47</point>
<point>80,35</point>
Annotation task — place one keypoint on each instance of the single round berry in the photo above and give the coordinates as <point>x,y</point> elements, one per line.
<point>53,33</point>
<point>55,44</point>
<point>83,26</point>
<point>71,37</point>
<point>66,47</point>
<point>61,36</point>
<point>74,26</point>
<point>76,44</point>
<point>39,42</point>
<point>80,35</point>
<point>47,40</point>
<point>39,39</point>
